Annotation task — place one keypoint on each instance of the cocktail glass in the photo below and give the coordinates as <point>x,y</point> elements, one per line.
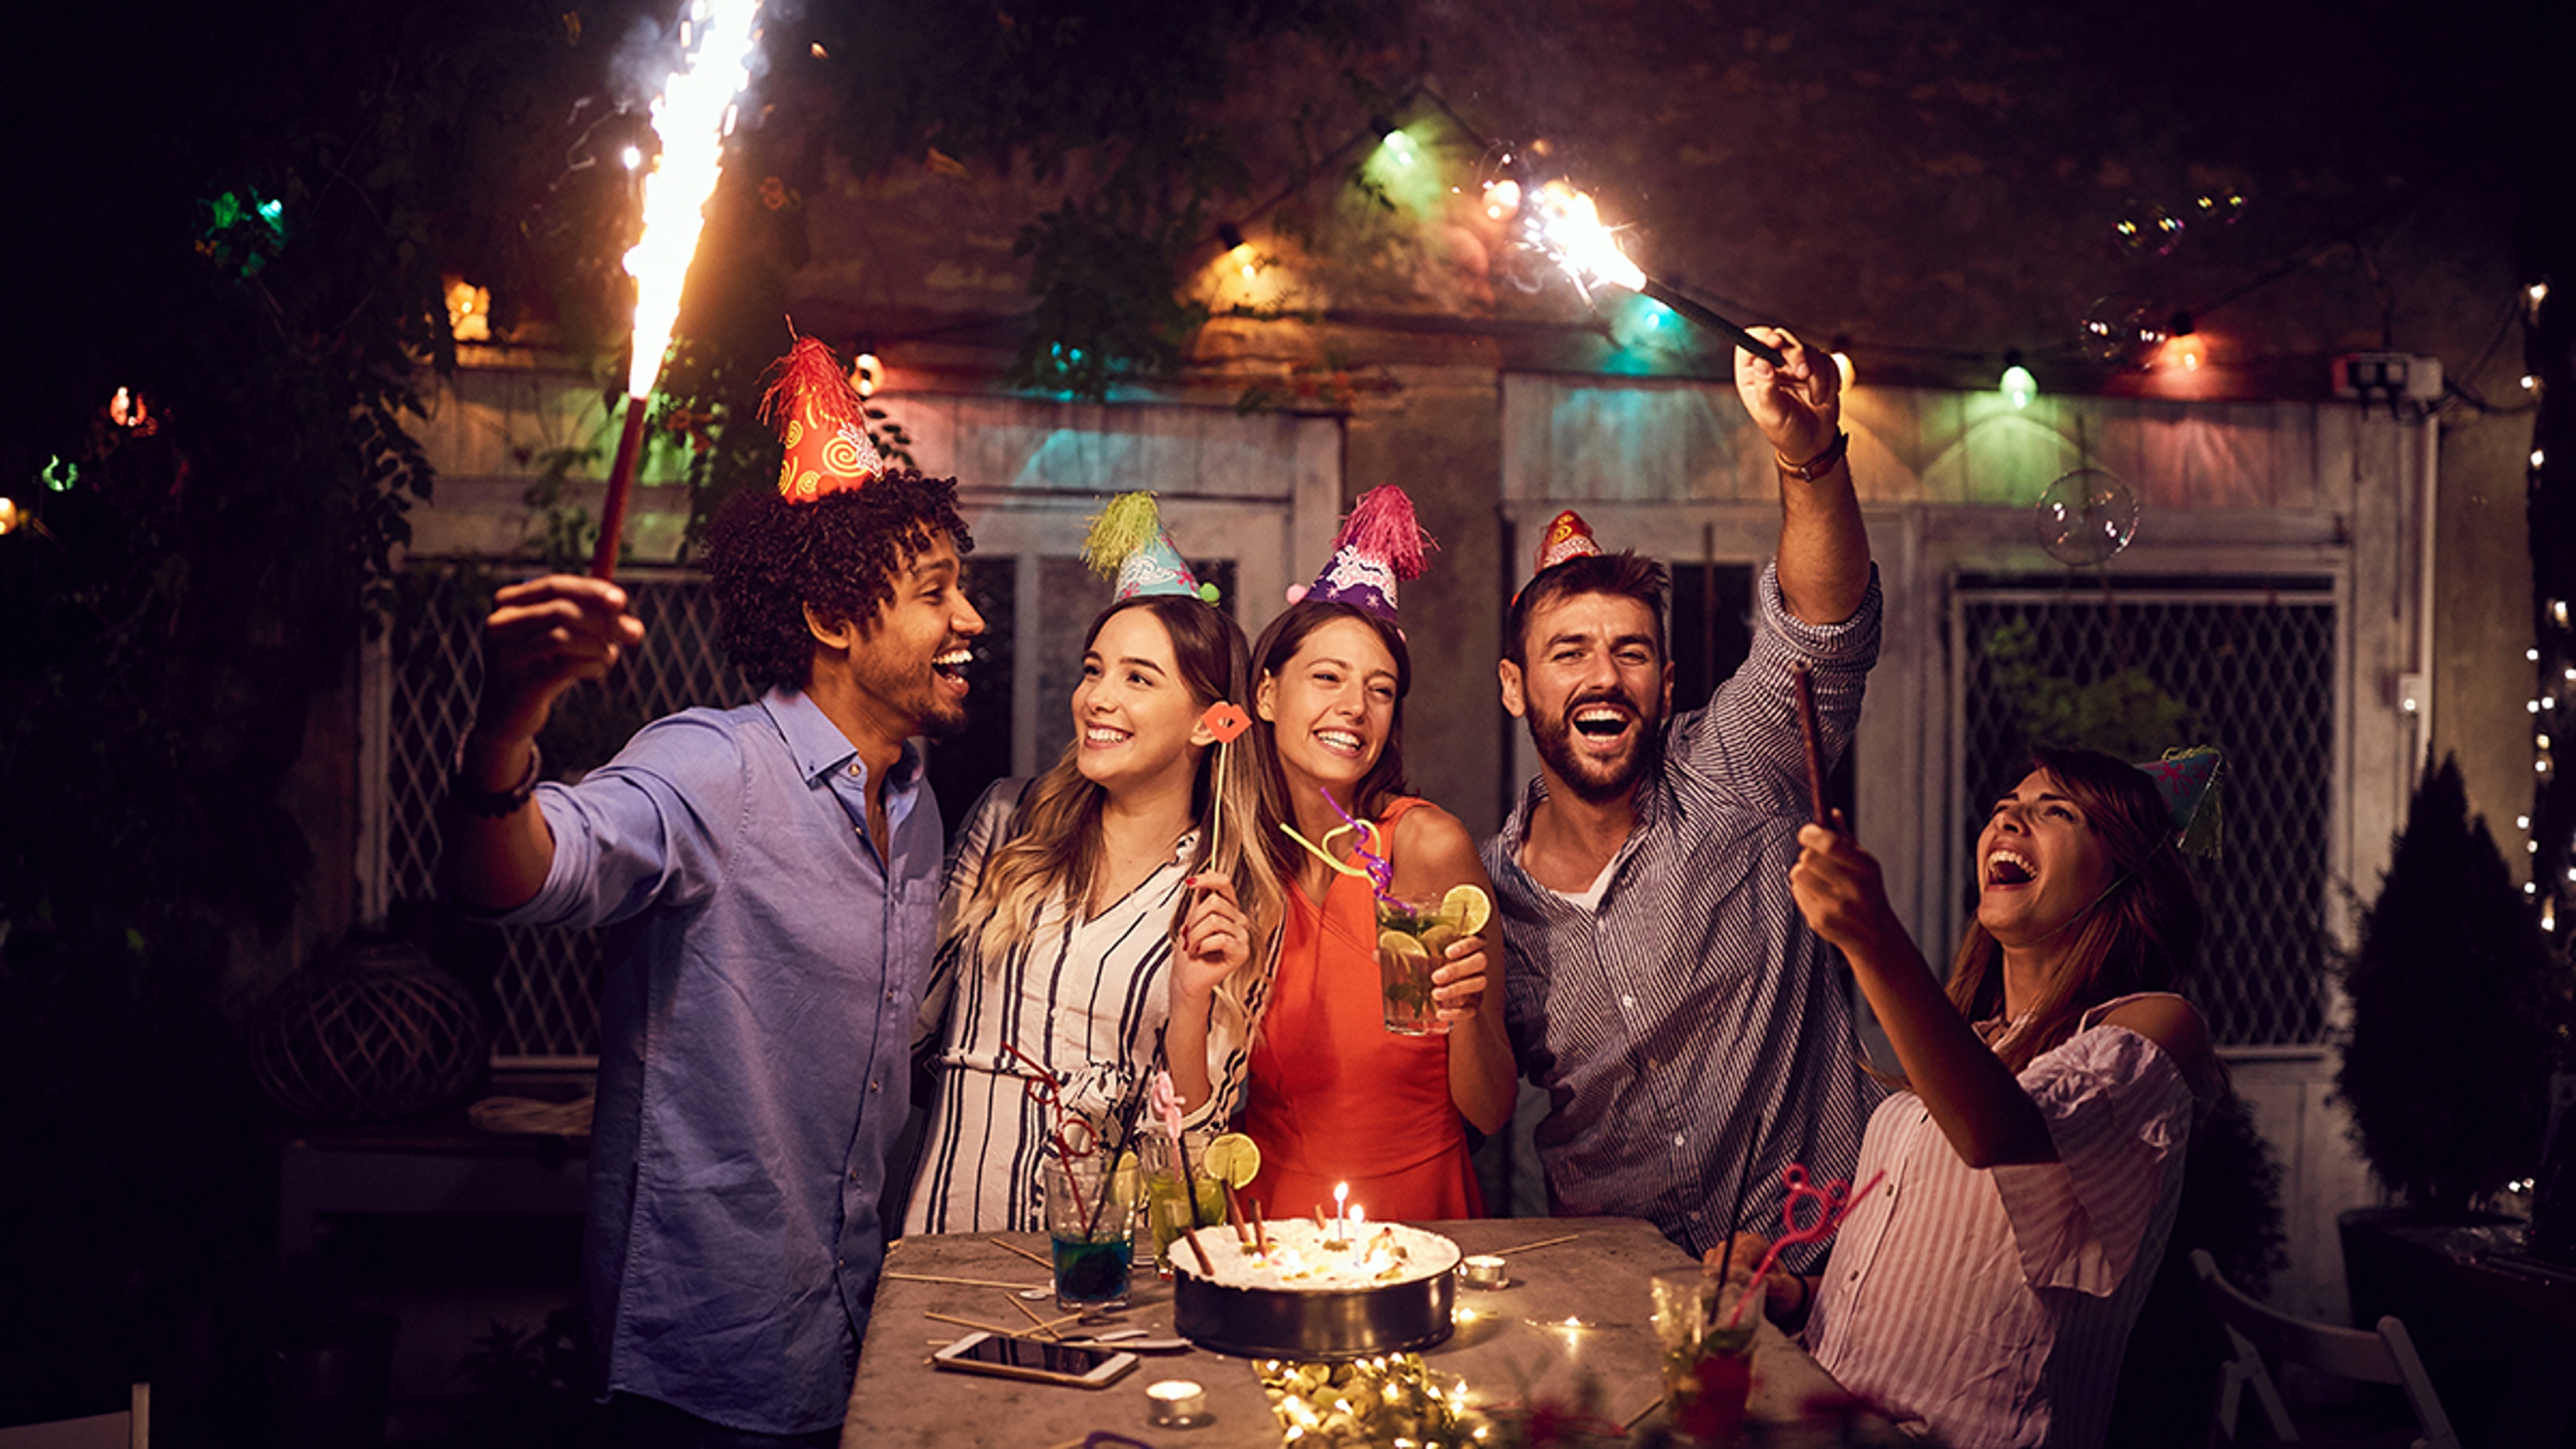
<point>1708,1366</point>
<point>1412,940</point>
<point>1167,1210</point>
<point>1092,1232</point>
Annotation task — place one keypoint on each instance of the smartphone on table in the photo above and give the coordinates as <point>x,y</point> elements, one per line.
<point>1083,1365</point>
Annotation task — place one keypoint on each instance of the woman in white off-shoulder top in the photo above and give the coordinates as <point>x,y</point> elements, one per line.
<point>1984,1290</point>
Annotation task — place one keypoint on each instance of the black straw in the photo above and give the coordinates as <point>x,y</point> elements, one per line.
<point>1735,1210</point>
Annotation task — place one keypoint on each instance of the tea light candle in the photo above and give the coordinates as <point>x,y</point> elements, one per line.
<point>1484,1270</point>
<point>1174,1403</point>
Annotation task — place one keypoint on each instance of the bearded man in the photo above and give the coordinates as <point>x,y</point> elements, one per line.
<point>1662,989</point>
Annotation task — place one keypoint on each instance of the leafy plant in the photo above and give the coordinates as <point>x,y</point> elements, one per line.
<point>2126,714</point>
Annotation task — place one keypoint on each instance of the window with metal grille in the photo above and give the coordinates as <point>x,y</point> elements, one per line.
<point>2246,664</point>
<point>546,984</point>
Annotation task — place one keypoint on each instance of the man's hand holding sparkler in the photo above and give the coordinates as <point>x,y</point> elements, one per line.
<point>1798,405</point>
<point>1824,551</point>
<point>543,637</point>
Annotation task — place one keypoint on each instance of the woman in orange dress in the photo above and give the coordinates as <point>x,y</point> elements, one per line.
<point>1335,1098</point>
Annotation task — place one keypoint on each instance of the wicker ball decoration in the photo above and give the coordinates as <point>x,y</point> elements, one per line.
<point>374,1035</point>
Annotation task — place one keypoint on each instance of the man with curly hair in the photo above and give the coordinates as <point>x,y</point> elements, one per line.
<point>774,872</point>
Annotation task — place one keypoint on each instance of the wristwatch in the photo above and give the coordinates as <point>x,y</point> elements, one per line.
<point>492,804</point>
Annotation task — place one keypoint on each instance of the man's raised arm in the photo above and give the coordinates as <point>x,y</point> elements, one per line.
<point>1824,551</point>
<point>542,637</point>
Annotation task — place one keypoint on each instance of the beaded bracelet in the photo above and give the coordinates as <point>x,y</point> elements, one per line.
<point>492,804</point>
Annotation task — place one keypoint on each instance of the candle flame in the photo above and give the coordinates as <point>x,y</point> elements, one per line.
<point>1566,226</point>
<point>692,116</point>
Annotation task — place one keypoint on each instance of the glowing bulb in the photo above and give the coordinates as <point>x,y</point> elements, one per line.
<point>2538,292</point>
<point>1843,369</point>
<point>2536,457</point>
<point>2019,387</point>
<point>9,516</point>
<point>1502,198</point>
<point>2529,382</point>
<point>2522,822</point>
<point>632,157</point>
<point>866,372</point>
<point>2534,656</point>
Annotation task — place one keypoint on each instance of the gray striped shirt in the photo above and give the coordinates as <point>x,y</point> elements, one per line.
<point>1691,1018</point>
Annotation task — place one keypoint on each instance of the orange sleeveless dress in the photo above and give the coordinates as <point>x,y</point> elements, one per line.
<point>1334,1096</point>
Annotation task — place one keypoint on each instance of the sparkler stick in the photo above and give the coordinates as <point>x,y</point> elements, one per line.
<point>1565,225</point>
<point>1701,313</point>
<point>1808,738</point>
<point>693,115</point>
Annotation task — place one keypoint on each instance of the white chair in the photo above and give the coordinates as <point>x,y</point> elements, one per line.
<point>2255,1331</point>
<point>127,1428</point>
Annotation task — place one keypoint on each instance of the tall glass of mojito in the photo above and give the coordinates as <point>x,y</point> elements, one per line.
<point>1413,938</point>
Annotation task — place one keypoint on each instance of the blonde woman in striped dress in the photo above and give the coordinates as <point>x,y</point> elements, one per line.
<point>1091,930</point>
<point>1985,1289</point>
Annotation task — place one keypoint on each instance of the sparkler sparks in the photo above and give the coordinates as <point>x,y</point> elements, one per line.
<point>693,116</point>
<point>1565,226</point>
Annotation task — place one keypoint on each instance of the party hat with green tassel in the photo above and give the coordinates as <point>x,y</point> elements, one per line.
<point>2188,781</point>
<point>1129,543</point>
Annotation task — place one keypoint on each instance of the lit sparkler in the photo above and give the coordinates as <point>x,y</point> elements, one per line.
<point>693,115</point>
<point>1563,224</point>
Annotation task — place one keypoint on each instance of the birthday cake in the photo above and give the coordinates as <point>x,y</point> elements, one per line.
<point>1305,1292</point>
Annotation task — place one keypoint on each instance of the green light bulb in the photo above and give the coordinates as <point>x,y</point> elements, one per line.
<point>2019,387</point>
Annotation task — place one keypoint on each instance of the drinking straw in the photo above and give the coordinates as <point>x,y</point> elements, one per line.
<point>1807,737</point>
<point>1042,1325</point>
<point>1735,1211</point>
<point>1541,1243</point>
<point>1190,1235</point>
<point>1016,1249</point>
<point>1833,1202</point>
<point>1167,1106</point>
<point>1109,1178</point>
<point>965,1282</point>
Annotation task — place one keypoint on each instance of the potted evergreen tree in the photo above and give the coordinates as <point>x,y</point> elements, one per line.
<point>2444,1066</point>
<point>2451,1039</point>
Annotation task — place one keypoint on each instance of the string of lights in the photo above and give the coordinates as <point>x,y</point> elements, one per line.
<point>2549,331</point>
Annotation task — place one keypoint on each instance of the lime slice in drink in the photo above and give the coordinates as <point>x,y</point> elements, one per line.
<point>1466,910</point>
<point>1233,1159</point>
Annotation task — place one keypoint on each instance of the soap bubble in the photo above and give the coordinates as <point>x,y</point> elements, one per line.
<point>2144,228</point>
<point>2124,332</point>
<point>2086,517</point>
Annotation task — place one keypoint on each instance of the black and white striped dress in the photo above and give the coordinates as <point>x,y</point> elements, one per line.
<point>1087,999</point>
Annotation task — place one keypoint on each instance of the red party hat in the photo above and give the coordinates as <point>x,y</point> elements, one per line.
<point>1568,537</point>
<point>824,424</point>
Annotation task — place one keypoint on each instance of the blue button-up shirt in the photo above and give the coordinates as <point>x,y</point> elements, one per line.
<point>754,1035</point>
